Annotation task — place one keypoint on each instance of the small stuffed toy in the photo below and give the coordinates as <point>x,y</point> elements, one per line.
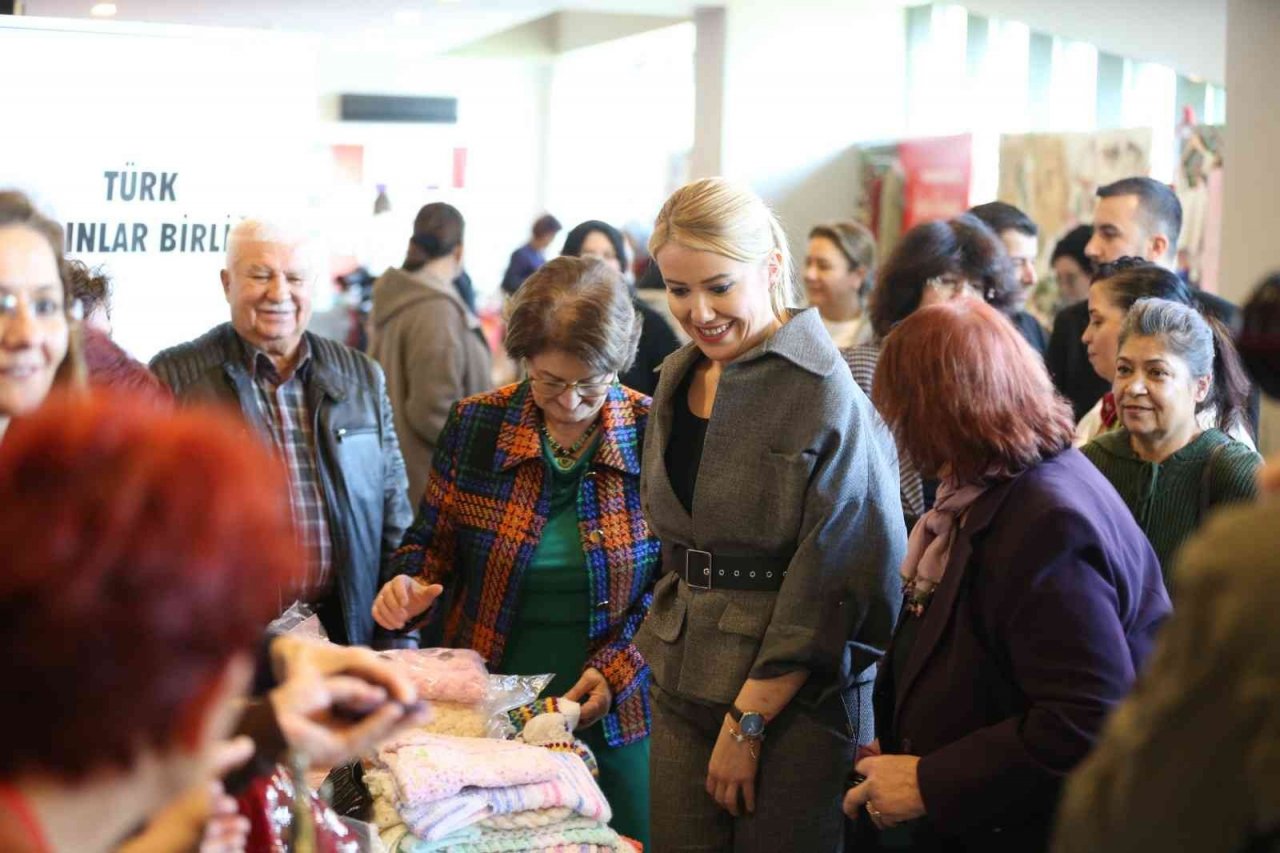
<point>550,723</point>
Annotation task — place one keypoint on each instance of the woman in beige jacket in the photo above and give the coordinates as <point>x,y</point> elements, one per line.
<point>427,340</point>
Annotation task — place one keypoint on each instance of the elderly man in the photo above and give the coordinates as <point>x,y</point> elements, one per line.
<point>324,406</point>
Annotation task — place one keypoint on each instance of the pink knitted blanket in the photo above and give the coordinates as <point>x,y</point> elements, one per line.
<point>428,767</point>
<point>571,788</point>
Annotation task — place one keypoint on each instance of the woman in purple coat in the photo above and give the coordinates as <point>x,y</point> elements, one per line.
<point>1031,596</point>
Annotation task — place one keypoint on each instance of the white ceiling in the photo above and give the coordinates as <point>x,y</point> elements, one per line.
<point>441,24</point>
<point>1189,35</point>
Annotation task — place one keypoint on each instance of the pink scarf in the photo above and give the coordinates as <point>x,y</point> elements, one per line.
<point>929,547</point>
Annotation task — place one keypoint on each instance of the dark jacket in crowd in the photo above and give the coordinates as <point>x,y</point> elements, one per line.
<point>1047,610</point>
<point>524,262</point>
<point>1068,360</point>
<point>361,469</point>
<point>1191,760</point>
<point>1032,331</point>
<point>657,341</point>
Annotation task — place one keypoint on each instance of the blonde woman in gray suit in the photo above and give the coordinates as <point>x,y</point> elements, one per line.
<point>773,486</point>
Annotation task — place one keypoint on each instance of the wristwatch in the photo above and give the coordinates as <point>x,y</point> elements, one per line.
<point>750,723</point>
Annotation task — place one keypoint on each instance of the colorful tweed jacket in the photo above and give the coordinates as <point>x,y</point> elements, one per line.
<point>482,516</point>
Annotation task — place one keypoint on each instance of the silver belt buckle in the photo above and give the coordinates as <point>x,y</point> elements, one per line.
<point>697,564</point>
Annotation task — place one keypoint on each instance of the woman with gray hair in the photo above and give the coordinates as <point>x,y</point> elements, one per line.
<point>1169,470</point>
<point>531,521</point>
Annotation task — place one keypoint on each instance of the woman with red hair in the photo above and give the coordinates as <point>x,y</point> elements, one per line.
<point>1031,597</point>
<point>143,549</point>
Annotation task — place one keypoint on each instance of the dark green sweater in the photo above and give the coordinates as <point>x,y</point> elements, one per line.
<point>1165,497</point>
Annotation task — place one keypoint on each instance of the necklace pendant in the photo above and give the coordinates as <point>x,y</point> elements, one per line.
<point>564,463</point>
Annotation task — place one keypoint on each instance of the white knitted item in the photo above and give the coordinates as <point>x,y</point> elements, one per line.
<point>528,819</point>
<point>383,790</point>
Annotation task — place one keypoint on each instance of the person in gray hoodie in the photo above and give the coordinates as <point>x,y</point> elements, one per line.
<point>427,340</point>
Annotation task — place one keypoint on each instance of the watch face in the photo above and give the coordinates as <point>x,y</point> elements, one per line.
<point>752,724</point>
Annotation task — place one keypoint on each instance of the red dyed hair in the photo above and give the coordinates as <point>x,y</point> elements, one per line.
<point>959,386</point>
<point>143,548</point>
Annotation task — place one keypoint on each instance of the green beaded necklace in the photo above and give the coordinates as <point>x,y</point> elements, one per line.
<point>566,457</point>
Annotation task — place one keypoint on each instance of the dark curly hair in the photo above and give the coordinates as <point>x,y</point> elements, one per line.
<point>962,246</point>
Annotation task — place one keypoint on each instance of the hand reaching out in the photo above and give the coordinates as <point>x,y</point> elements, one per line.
<point>401,599</point>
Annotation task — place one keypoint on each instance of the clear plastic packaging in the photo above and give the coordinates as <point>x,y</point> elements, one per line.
<point>300,620</point>
<point>443,675</point>
<point>507,692</point>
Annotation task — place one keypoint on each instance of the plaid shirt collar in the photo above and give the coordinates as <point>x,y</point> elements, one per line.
<point>261,367</point>
<point>520,438</point>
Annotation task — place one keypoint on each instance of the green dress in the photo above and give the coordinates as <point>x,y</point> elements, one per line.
<point>550,635</point>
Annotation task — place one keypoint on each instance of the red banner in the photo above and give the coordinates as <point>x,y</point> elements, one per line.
<point>936,175</point>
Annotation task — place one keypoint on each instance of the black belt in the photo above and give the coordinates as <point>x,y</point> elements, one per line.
<point>704,570</point>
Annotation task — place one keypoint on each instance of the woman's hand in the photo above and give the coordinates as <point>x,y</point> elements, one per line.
<point>402,598</point>
<point>204,818</point>
<point>307,657</point>
<point>593,693</point>
<point>334,718</point>
<point>732,771</point>
<point>891,793</point>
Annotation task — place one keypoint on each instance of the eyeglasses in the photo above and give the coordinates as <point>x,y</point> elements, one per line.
<point>951,287</point>
<point>586,389</point>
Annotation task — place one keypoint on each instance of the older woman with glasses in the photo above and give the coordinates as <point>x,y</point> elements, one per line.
<point>531,521</point>
<point>936,262</point>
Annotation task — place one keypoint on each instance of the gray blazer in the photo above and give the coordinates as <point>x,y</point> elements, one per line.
<point>796,464</point>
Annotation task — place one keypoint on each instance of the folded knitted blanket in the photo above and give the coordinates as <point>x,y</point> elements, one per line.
<point>572,788</point>
<point>428,767</point>
<point>447,675</point>
<point>527,820</point>
<point>573,835</point>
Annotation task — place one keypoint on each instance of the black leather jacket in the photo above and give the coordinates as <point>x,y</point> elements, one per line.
<point>361,469</point>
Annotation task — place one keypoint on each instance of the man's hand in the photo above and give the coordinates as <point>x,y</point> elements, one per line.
<point>401,599</point>
<point>593,694</point>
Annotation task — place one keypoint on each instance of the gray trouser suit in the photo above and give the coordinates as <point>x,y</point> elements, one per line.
<point>804,760</point>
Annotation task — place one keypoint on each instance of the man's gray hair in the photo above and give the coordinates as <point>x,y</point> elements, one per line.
<point>264,230</point>
<point>1184,330</point>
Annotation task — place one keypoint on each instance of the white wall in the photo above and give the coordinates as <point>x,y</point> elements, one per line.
<point>803,85</point>
<point>621,124</point>
<point>1250,250</point>
<point>80,100</point>
<point>246,118</point>
<point>502,124</point>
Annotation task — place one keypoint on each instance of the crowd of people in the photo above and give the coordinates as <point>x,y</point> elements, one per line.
<point>894,571</point>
